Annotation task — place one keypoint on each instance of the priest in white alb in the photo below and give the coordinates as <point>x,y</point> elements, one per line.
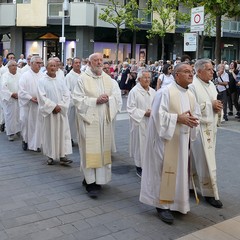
<point>29,112</point>
<point>139,104</point>
<point>53,99</point>
<point>71,81</point>
<point>203,149</point>
<point>96,105</point>
<point>172,124</point>
<point>9,92</point>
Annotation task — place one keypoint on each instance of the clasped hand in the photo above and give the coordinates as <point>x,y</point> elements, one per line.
<point>56,110</point>
<point>188,119</point>
<point>102,99</point>
<point>217,105</point>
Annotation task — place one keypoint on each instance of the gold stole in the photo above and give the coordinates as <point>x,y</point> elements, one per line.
<point>98,144</point>
<point>171,151</point>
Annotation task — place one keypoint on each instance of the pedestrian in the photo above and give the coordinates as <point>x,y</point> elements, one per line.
<point>9,90</point>
<point>222,88</point>
<point>165,77</point>
<point>139,108</point>
<point>125,83</point>
<point>95,98</point>
<point>173,122</point>
<point>27,66</point>
<point>203,149</point>
<point>29,112</point>
<point>53,100</point>
<point>71,81</point>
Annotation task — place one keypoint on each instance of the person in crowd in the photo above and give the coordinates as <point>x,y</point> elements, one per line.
<point>29,111</point>
<point>203,159</point>
<point>96,99</point>
<point>185,58</point>
<point>139,108</point>
<point>68,66</point>
<point>166,77</point>
<point>10,56</point>
<point>9,92</point>
<point>3,69</point>
<point>84,64</point>
<point>60,72</point>
<point>53,99</point>
<point>125,83</point>
<point>172,124</point>
<point>234,95</point>
<point>27,66</point>
<point>106,69</point>
<point>71,81</point>
<point>133,72</point>
<point>222,88</point>
<point>21,59</point>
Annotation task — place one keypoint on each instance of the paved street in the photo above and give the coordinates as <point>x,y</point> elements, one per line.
<point>41,202</point>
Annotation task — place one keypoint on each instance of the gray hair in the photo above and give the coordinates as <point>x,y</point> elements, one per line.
<point>178,67</point>
<point>11,62</point>
<point>93,55</point>
<point>34,58</point>
<point>200,63</point>
<point>220,66</point>
<point>140,73</point>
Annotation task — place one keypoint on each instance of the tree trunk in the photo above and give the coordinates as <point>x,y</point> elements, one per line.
<point>117,44</point>
<point>200,47</point>
<point>218,40</point>
<point>163,48</point>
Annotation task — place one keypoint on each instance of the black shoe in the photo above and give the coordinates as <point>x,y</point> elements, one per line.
<point>65,161</point>
<point>92,190</point>
<point>2,127</point>
<point>98,186</point>
<point>165,215</point>
<point>24,146</point>
<point>139,171</point>
<point>215,203</point>
<point>225,118</point>
<point>230,113</point>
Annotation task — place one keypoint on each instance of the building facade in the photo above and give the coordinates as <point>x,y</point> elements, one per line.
<point>72,28</point>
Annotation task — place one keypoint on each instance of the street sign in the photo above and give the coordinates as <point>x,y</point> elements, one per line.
<point>197,19</point>
<point>190,42</point>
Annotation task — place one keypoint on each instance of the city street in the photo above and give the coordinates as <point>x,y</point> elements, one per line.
<point>41,202</point>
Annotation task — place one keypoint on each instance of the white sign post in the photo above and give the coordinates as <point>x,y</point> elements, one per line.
<point>190,42</point>
<point>197,23</point>
<point>197,19</point>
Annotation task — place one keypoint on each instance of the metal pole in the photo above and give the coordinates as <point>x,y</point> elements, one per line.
<point>64,9</point>
<point>197,45</point>
<point>63,42</point>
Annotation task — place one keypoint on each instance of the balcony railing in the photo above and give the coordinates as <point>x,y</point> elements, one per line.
<point>231,26</point>
<point>54,9</point>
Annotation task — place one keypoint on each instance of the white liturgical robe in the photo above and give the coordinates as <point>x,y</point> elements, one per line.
<point>71,81</point>
<point>203,149</point>
<point>56,139</point>
<point>10,105</point>
<point>161,128</point>
<point>95,124</point>
<point>138,102</point>
<point>29,112</point>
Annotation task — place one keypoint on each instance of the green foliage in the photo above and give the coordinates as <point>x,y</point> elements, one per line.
<point>119,15</point>
<point>166,14</point>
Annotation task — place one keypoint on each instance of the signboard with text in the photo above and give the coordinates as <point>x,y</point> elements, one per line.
<point>190,42</point>
<point>197,19</point>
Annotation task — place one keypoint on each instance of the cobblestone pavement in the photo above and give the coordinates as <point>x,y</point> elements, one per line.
<point>41,202</point>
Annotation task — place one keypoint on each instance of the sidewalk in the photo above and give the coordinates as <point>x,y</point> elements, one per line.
<point>44,202</point>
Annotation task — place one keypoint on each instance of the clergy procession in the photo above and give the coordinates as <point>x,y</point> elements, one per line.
<point>172,127</point>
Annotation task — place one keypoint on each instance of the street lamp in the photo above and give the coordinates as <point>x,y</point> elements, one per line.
<point>62,38</point>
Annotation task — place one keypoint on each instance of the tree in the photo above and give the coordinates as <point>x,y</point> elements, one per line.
<point>165,14</point>
<point>215,9</point>
<point>119,16</point>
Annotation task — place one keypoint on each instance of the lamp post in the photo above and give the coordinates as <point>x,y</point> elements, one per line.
<point>63,39</point>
